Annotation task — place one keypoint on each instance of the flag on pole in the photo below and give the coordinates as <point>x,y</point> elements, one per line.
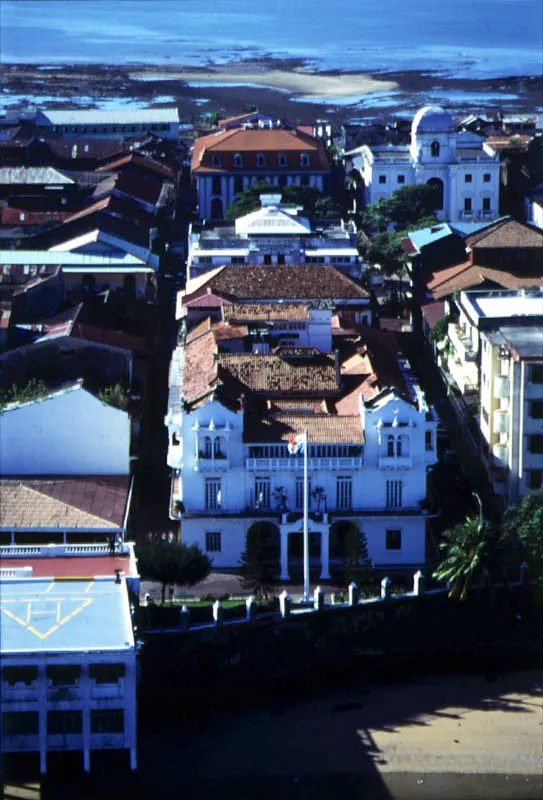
<point>297,444</point>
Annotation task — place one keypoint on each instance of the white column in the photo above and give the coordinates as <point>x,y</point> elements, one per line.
<point>284,556</point>
<point>325,555</point>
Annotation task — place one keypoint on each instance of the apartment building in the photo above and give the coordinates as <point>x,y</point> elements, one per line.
<point>496,354</point>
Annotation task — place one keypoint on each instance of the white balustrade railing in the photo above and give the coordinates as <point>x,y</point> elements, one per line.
<point>297,463</point>
<point>57,550</point>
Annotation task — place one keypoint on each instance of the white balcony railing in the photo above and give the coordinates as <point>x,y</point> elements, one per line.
<point>296,464</point>
<point>208,464</point>
<point>395,462</point>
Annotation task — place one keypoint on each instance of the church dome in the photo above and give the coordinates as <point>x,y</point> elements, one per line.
<point>432,119</point>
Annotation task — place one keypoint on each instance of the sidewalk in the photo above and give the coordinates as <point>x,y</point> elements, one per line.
<point>221,583</point>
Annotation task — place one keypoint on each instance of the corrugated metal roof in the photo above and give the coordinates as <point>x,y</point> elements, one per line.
<point>61,257</point>
<point>121,117</point>
<point>33,175</point>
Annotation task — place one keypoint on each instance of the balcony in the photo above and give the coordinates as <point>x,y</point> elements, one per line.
<point>19,692</point>
<point>501,387</point>
<point>462,343</point>
<point>501,421</point>
<point>395,462</point>
<point>501,455</point>
<point>99,691</point>
<point>296,464</point>
<point>464,374</point>
<point>215,464</point>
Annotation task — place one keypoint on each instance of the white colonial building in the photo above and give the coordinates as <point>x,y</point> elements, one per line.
<point>465,173</point>
<point>273,234</point>
<point>68,658</point>
<point>371,440</point>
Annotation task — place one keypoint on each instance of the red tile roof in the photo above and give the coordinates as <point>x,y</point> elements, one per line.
<point>20,216</point>
<point>278,374</point>
<point>464,276</point>
<point>97,502</point>
<point>250,143</point>
<point>138,161</point>
<point>321,428</point>
<point>506,233</point>
<point>293,283</point>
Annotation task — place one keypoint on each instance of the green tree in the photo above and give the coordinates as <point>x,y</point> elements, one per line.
<point>115,396</point>
<point>259,561</point>
<point>439,331</point>
<point>313,202</point>
<point>523,522</point>
<point>473,552</point>
<point>407,206</point>
<point>170,562</point>
<point>357,565</point>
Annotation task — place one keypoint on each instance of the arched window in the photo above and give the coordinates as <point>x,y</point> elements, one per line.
<point>434,149</point>
<point>208,447</point>
<point>390,446</point>
<point>219,450</point>
<point>238,160</point>
<point>215,160</point>
<point>402,446</point>
<point>437,183</point>
<point>281,160</point>
<point>261,160</point>
<point>304,159</point>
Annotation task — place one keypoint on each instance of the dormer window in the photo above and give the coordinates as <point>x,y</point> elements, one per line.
<point>261,160</point>
<point>215,160</point>
<point>238,160</point>
<point>434,149</point>
<point>304,159</point>
<point>281,160</point>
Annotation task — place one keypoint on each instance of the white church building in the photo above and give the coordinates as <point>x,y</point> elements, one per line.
<point>465,173</point>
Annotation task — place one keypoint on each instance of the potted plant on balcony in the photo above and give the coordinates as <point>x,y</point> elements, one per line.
<point>319,496</point>
<point>280,498</point>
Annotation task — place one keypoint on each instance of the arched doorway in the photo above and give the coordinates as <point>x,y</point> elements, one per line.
<point>216,208</point>
<point>437,183</point>
<point>263,541</point>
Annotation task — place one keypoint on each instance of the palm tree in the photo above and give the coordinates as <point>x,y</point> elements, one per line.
<point>473,552</point>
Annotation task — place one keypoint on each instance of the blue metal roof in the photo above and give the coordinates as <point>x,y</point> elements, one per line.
<point>46,615</point>
<point>426,236</point>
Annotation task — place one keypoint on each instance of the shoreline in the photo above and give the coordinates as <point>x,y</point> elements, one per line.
<point>290,88</point>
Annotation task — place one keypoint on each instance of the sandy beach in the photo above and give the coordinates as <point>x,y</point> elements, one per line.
<point>288,88</point>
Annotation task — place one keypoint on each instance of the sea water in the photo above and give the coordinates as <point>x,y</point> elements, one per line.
<point>461,38</point>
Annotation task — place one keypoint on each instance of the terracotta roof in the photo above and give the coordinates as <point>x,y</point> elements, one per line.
<point>200,368</point>
<point>139,161</point>
<point>20,216</point>
<point>293,283</point>
<point>93,148</point>
<point>506,233</point>
<point>265,312</point>
<point>89,503</point>
<point>116,207</point>
<point>371,369</point>
<point>146,189</point>
<point>509,142</point>
<point>464,276</point>
<point>321,428</point>
<point>249,143</point>
<point>224,332</point>
<point>433,312</point>
<point>273,374</point>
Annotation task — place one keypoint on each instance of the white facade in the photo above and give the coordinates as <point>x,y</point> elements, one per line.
<point>61,689</point>
<point>496,353</point>
<point>466,175</point>
<point>379,481</point>
<point>68,432</point>
<point>273,235</point>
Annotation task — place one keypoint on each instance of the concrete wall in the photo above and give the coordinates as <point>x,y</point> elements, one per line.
<point>69,433</point>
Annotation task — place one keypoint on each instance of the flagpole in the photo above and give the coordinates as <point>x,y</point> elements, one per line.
<point>306,531</point>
